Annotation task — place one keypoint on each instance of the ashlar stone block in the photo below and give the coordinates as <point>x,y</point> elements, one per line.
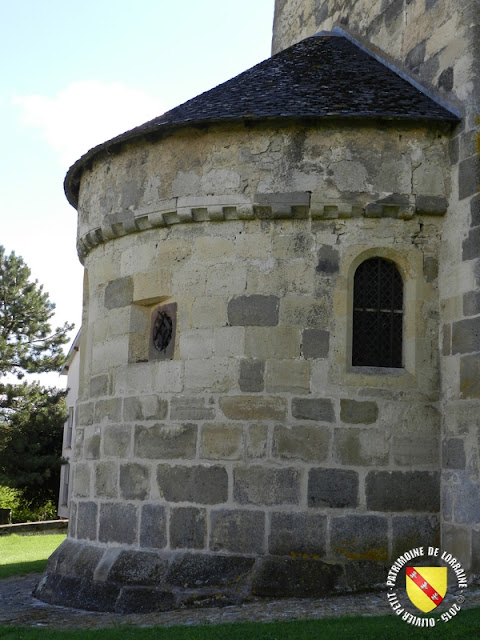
<point>252,374</point>
<point>139,408</point>
<point>166,441</point>
<point>356,412</point>
<point>153,526</point>
<point>335,488</point>
<point>200,484</point>
<point>360,537</point>
<point>221,441</point>
<point>297,533</point>
<point>117,441</point>
<point>287,375</point>
<point>87,521</point>
<point>319,409</point>
<point>315,343</point>
<point>119,293</point>
<point>106,480</point>
<point>303,442</point>
<point>254,407</point>
<point>266,485</point>
<point>134,481</point>
<point>118,523</point>
<point>361,447</point>
<point>403,491</point>
<point>237,531</point>
<point>254,310</point>
<point>188,528</point>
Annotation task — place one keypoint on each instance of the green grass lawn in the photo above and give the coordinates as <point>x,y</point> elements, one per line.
<point>465,626</point>
<point>20,555</point>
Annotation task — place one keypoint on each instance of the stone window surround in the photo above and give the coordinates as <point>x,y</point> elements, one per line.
<point>409,262</point>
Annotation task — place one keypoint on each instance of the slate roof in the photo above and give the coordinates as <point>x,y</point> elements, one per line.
<point>325,76</point>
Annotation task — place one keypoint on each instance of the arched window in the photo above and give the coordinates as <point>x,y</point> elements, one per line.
<point>377,314</point>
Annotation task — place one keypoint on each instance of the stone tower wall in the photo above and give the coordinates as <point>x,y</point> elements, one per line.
<point>252,459</point>
<point>436,41</point>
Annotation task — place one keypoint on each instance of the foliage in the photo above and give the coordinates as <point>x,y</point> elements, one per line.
<point>24,554</point>
<point>21,512</point>
<point>27,342</point>
<point>31,433</point>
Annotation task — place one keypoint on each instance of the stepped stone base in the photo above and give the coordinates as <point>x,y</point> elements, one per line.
<point>85,576</point>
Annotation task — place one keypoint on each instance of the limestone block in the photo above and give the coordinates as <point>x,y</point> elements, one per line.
<point>409,532</point>
<point>302,312</point>
<point>320,409</point>
<point>458,541</point>
<point>221,442</point>
<point>82,482</point>
<point>118,523</point>
<point>202,484</point>
<point>273,342</point>
<point>471,303</point>
<point>403,491</point>
<point>197,343</point>
<point>153,526</point>
<point>466,335</point>
<point>188,528</point>
<point>169,377</point>
<point>361,447</point>
<point>254,310</point>
<point>252,374</point>
<point>108,410</point>
<point>226,279</point>
<point>99,386</point>
<point>335,488</point>
<point>356,412</point>
<point>297,533</point>
<point>134,481</point>
<point>91,446</point>
<point>468,177</point>
<point>109,354</point>
<point>266,485</point>
<point>119,293</point>
<point>193,570</point>
<point>84,414</point>
<point>257,435</point>
<point>254,407</point>
<point>416,449</point>
<point>138,408</point>
<point>295,578</point>
<point>117,441</point>
<point>165,441</point>
<point>216,375</point>
<point>287,375</point>
<point>281,278</point>
<point>209,311</point>
<point>328,260</point>
<point>87,521</point>
<point>213,249</point>
<point>190,280</point>
<point>466,496</point>
<point>291,247</point>
<point>470,376</point>
<point>191,408</point>
<point>303,442</point>
<point>360,537</point>
<point>138,568</point>
<point>253,246</point>
<point>237,531</point>
<point>106,480</point>
<point>315,343</point>
<point>152,287</point>
<point>229,342</point>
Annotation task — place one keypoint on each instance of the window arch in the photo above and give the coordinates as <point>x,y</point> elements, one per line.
<point>377,314</point>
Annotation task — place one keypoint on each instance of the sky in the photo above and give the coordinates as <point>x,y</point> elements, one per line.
<point>74,75</point>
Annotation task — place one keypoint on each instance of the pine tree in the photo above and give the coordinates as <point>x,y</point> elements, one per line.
<point>27,342</point>
<point>31,429</point>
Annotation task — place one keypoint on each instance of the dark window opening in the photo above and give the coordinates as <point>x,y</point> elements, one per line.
<point>162,333</point>
<point>377,315</point>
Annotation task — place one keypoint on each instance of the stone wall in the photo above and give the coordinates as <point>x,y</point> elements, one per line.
<point>256,459</point>
<point>436,42</point>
